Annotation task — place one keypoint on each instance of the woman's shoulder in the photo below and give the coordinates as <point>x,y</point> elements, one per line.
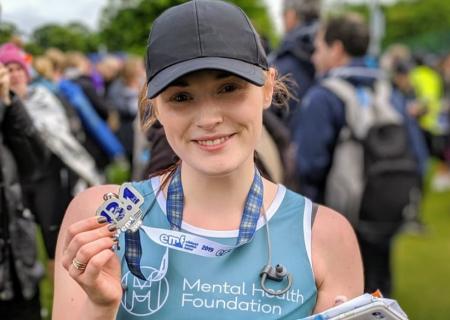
<point>329,219</point>
<point>147,186</point>
<point>336,259</point>
<point>85,204</point>
<point>333,237</point>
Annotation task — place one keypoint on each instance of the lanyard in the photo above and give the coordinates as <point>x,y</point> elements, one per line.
<point>181,241</point>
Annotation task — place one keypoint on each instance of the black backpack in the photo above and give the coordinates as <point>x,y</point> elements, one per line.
<point>374,178</point>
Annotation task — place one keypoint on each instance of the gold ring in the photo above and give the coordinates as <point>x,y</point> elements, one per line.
<point>80,266</point>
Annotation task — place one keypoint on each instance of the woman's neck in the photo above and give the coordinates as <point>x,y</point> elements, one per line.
<point>216,202</point>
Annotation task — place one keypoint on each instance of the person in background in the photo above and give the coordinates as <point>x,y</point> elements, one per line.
<point>79,70</point>
<point>108,70</point>
<point>58,60</point>
<point>293,57</point>
<point>22,152</point>
<point>445,114</point>
<point>429,87</point>
<point>341,45</point>
<point>124,91</point>
<point>46,76</point>
<point>212,119</point>
<point>69,163</point>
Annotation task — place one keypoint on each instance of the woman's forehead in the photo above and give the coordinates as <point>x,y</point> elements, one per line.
<point>14,65</point>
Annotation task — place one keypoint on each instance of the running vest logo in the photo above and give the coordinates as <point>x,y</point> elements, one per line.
<point>178,241</point>
<point>144,298</point>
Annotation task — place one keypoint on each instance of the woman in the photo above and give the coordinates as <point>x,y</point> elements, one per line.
<point>69,166</point>
<point>208,88</point>
<point>124,92</point>
<point>21,152</point>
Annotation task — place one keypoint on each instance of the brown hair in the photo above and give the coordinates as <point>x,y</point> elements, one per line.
<point>351,30</point>
<point>131,68</point>
<point>43,67</point>
<point>281,95</point>
<point>56,57</point>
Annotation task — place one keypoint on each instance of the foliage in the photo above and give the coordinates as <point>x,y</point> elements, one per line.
<point>125,24</point>
<point>7,30</point>
<point>73,36</point>
<point>421,24</point>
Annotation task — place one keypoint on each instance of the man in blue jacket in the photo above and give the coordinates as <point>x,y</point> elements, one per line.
<point>340,47</point>
<point>294,55</point>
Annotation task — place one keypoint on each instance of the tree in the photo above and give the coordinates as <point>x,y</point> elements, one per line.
<point>73,36</point>
<point>421,24</point>
<point>125,24</point>
<point>7,30</point>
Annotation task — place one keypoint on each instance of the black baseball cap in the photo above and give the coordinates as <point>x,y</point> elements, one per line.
<point>203,34</point>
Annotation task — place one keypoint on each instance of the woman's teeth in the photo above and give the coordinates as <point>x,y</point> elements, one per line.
<point>212,142</point>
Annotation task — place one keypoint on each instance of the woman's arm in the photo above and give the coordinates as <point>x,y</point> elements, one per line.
<point>336,259</point>
<point>94,293</point>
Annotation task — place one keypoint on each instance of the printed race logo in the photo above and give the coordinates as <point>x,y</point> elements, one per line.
<point>178,241</point>
<point>143,298</point>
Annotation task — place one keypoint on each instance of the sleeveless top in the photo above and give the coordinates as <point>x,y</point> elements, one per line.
<point>226,287</point>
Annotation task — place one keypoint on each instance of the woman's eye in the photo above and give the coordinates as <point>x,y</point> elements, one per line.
<point>180,97</point>
<point>228,88</point>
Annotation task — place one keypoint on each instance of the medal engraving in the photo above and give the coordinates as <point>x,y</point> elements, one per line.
<point>123,210</point>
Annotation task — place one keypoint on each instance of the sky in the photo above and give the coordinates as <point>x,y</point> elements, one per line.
<point>29,14</point>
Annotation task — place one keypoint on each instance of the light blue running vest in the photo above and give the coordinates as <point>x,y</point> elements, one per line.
<point>226,287</point>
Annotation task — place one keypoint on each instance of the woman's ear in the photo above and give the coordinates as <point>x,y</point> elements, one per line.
<point>269,87</point>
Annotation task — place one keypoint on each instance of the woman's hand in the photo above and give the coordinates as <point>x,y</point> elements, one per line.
<point>4,85</point>
<point>91,262</point>
<point>90,287</point>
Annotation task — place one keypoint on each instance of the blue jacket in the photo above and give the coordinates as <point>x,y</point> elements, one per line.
<point>294,58</point>
<point>317,125</point>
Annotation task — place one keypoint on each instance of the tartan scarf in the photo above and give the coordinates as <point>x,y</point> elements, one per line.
<point>174,209</point>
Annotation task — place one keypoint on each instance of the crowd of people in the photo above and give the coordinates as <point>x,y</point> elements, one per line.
<point>71,121</point>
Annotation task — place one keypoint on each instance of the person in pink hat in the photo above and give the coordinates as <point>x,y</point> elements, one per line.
<point>49,195</point>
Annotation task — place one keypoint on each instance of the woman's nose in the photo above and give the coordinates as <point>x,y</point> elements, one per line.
<point>209,115</point>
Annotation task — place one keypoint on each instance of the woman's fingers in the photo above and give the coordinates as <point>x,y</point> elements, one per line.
<point>340,299</point>
<point>84,256</point>
<point>101,279</point>
<point>80,240</point>
<point>97,264</point>
<point>82,226</point>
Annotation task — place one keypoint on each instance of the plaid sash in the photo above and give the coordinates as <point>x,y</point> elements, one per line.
<point>174,209</point>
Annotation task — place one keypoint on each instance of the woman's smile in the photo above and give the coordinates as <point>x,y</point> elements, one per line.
<point>213,143</point>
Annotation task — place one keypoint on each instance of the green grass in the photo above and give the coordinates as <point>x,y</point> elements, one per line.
<point>46,289</point>
<point>422,263</point>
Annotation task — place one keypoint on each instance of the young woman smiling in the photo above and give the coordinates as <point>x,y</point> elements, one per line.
<point>204,249</point>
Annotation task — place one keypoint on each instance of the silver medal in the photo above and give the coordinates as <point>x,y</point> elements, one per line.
<point>123,210</point>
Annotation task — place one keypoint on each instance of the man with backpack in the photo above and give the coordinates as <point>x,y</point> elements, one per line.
<point>357,150</point>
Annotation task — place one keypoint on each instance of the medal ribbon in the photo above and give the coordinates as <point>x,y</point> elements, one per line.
<point>190,243</point>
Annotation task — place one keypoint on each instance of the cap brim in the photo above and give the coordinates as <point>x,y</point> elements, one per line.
<point>245,70</point>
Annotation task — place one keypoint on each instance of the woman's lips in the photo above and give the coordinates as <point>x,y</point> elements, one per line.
<point>213,143</point>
